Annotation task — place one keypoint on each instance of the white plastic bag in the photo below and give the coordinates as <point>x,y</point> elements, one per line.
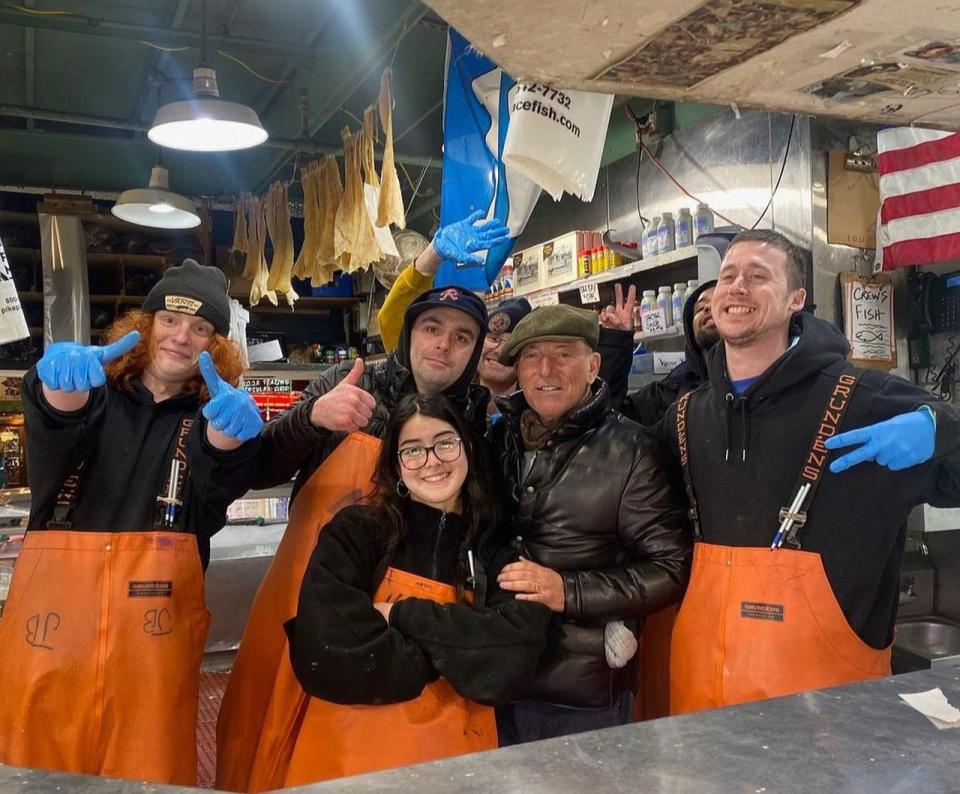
<point>556,137</point>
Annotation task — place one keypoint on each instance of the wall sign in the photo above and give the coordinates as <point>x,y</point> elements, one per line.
<point>868,320</point>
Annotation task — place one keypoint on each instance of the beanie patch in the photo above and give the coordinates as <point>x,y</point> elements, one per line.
<point>182,304</point>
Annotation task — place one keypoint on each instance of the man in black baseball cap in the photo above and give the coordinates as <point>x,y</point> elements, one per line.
<point>440,344</point>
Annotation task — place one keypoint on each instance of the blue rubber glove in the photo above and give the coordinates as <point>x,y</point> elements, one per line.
<point>69,366</point>
<point>898,443</point>
<point>458,241</point>
<point>230,410</point>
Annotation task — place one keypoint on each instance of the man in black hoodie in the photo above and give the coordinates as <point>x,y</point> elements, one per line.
<point>649,403</point>
<point>796,566</point>
<point>440,345</point>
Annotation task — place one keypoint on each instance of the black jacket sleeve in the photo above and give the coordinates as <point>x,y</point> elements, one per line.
<point>648,404</point>
<point>616,359</point>
<point>57,441</point>
<point>288,440</point>
<point>341,648</point>
<point>487,652</point>
<point>217,477</point>
<point>653,529</point>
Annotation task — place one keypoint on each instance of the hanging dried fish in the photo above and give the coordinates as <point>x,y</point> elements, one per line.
<point>348,217</point>
<point>367,154</point>
<point>330,196</point>
<point>256,259</point>
<point>390,206</point>
<point>306,260</point>
<point>281,235</point>
<point>238,251</point>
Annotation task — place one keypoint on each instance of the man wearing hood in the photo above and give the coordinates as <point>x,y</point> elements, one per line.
<point>648,404</point>
<point>440,345</point>
<point>795,579</point>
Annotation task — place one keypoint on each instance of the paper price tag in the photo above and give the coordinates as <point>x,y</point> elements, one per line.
<point>664,362</point>
<point>589,293</point>
<point>548,298</point>
<point>653,322</point>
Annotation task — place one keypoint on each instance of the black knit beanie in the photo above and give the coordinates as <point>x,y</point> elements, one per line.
<point>192,288</point>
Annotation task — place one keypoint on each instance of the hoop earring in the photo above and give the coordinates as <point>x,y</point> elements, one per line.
<point>402,491</point>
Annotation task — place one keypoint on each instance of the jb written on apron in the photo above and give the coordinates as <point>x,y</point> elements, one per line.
<point>263,701</point>
<point>758,623</point>
<point>334,741</point>
<point>101,642</point>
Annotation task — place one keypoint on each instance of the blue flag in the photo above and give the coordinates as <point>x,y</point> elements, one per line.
<point>476,114</point>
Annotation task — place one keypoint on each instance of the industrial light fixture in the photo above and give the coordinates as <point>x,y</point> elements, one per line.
<point>206,123</point>
<point>156,206</point>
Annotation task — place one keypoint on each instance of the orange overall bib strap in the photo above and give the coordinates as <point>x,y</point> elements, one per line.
<point>757,623</point>
<point>100,647</point>
<point>262,700</point>
<point>335,741</point>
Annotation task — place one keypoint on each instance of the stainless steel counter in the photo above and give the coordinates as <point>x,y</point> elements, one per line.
<point>859,738</point>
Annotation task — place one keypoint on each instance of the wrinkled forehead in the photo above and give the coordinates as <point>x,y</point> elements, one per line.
<point>548,346</point>
<point>450,319</point>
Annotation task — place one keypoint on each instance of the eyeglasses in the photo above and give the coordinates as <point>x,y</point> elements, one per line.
<point>445,450</point>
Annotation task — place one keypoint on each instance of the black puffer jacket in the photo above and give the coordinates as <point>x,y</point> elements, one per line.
<point>603,506</point>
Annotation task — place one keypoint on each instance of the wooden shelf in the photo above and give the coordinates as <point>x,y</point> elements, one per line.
<point>264,307</point>
<point>139,260</point>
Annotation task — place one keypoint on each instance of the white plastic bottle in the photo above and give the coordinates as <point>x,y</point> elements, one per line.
<point>648,301</point>
<point>666,234</point>
<point>665,302</point>
<point>692,285</point>
<point>648,240</point>
<point>702,221</point>
<point>684,228</point>
<point>679,296</point>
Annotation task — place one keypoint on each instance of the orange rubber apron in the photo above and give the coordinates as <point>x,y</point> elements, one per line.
<point>653,669</point>
<point>100,650</point>
<point>758,623</point>
<point>336,741</point>
<point>263,701</point>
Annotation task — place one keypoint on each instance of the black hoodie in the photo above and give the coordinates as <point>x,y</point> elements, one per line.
<point>745,456</point>
<point>649,403</point>
<point>291,445</point>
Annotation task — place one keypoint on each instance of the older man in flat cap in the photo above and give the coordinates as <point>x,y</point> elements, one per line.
<point>599,515</point>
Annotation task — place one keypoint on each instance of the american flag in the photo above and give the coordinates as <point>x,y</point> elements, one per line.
<point>920,196</point>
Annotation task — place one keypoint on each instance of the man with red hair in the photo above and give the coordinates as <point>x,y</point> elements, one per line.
<point>105,625</point>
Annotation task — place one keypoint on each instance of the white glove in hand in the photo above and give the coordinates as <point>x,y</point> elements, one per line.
<point>619,644</point>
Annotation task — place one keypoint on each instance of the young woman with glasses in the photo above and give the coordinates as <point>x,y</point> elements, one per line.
<point>402,636</point>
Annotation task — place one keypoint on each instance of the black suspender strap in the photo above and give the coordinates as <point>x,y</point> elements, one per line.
<point>170,496</point>
<point>794,517</point>
<point>692,513</point>
<point>66,500</point>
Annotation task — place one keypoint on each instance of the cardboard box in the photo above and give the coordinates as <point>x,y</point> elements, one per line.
<point>560,258</point>
<point>527,271</point>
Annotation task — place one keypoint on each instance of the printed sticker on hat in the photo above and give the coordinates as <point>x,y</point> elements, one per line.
<point>182,304</point>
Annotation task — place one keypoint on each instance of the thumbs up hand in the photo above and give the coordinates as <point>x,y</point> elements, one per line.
<point>346,406</point>
<point>72,367</point>
<point>230,411</point>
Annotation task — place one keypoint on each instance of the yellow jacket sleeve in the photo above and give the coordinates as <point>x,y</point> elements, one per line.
<point>409,284</point>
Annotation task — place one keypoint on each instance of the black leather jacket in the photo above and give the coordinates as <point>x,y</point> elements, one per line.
<point>291,444</point>
<point>602,505</point>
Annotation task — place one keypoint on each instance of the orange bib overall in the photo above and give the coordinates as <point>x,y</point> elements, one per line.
<point>758,623</point>
<point>263,699</point>
<point>335,740</point>
<point>100,650</point>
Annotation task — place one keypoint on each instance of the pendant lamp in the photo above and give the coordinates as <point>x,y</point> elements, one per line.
<point>156,206</point>
<point>206,123</point>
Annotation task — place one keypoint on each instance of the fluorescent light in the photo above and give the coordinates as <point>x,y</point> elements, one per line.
<point>207,123</point>
<point>156,206</point>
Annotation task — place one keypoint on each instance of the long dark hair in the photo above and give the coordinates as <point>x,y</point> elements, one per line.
<point>480,510</point>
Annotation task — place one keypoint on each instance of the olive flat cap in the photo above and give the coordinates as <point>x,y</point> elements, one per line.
<point>558,322</point>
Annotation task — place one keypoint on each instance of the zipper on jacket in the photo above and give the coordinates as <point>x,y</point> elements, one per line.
<point>436,546</point>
